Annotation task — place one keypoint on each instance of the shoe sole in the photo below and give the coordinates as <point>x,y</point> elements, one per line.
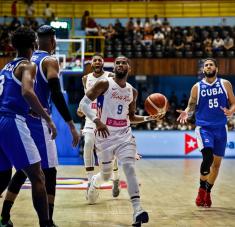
<point>141,218</point>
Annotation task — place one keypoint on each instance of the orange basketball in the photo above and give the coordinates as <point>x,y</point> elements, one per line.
<point>156,103</point>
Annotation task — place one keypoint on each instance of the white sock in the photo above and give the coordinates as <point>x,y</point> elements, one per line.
<point>90,174</point>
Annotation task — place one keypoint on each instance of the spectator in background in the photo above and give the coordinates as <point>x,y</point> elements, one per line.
<point>218,44</point>
<point>158,37</point>
<point>119,29</point>
<point>156,22</point>
<point>166,27</point>
<point>228,42</point>
<point>48,14</point>
<point>207,45</point>
<point>110,32</point>
<point>15,23</point>
<point>84,20</point>
<point>29,11</point>
<point>14,9</point>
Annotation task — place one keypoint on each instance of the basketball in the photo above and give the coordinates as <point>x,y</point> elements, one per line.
<point>156,103</point>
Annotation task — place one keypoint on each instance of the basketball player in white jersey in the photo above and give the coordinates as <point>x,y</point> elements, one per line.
<point>97,64</point>
<point>116,106</point>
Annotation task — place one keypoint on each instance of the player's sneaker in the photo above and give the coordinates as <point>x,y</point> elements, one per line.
<point>116,188</point>
<point>200,200</point>
<point>93,193</point>
<point>207,199</point>
<point>8,224</point>
<point>140,216</point>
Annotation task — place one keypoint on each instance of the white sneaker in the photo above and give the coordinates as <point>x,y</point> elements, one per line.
<point>93,193</point>
<point>140,216</point>
<point>116,188</point>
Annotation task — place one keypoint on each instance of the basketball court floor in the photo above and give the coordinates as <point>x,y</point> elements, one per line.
<point>168,190</point>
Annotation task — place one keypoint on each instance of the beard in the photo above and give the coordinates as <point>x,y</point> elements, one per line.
<point>210,75</point>
<point>120,75</point>
<point>97,69</point>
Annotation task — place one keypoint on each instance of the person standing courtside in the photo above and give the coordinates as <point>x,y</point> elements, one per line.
<point>17,147</point>
<point>213,101</point>
<point>97,64</point>
<point>116,105</point>
<point>46,87</point>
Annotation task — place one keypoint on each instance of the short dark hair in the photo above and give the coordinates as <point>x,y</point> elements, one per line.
<point>23,37</point>
<point>122,56</point>
<point>210,59</point>
<point>45,30</point>
<point>97,55</point>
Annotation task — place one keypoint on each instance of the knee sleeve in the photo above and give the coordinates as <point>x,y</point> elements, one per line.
<point>132,183</point>
<point>106,172</point>
<point>207,155</point>
<point>50,180</point>
<point>89,150</point>
<point>17,181</point>
<point>5,177</point>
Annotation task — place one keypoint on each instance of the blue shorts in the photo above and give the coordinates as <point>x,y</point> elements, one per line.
<point>17,147</point>
<point>42,138</point>
<point>215,138</point>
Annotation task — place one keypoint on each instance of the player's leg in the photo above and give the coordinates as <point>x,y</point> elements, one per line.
<point>126,154</point>
<point>5,177</point>
<point>12,192</point>
<point>89,161</point>
<point>116,179</point>
<point>21,150</point>
<point>105,156</point>
<point>49,159</point>
<point>219,151</point>
<point>205,139</point>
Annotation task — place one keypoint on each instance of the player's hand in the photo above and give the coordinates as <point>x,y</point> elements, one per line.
<point>227,112</point>
<point>183,117</point>
<point>74,133</point>
<point>156,117</point>
<point>79,112</point>
<point>138,156</point>
<point>101,128</point>
<point>52,128</point>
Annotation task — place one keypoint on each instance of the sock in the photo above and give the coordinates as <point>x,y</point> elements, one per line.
<point>203,184</point>
<point>135,201</point>
<point>115,174</point>
<point>6,208</point>
<point>208,187</point>
<point>51,210</point>
<point>90,174</point>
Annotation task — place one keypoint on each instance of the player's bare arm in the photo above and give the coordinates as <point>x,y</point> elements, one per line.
<point>98,89</point>
<point>135,119</point>
<point>26,71</point>
<point>231,99</point>
<point>50,68</point>
<point>79,112</point>
<point>184,114</point>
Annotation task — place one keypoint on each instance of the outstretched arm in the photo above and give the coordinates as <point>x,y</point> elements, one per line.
<point>135,119</point>
<point>184,114</point>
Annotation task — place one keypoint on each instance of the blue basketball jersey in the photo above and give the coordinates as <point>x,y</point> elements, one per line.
<point>11,99</point>
<point>41,86</point>
<point>210,98</point>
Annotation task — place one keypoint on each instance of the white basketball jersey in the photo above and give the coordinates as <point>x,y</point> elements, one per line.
<point>90,82</point>
<point>113,106</point>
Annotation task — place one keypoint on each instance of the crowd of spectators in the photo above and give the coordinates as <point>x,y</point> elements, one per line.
<point>157,38</point>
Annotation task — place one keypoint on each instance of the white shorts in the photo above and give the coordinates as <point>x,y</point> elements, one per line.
<point>120,144</point>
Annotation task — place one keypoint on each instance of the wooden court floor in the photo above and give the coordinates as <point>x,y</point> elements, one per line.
<point>168,190</point>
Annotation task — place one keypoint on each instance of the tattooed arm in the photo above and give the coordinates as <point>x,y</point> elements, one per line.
<point>184,114</point>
